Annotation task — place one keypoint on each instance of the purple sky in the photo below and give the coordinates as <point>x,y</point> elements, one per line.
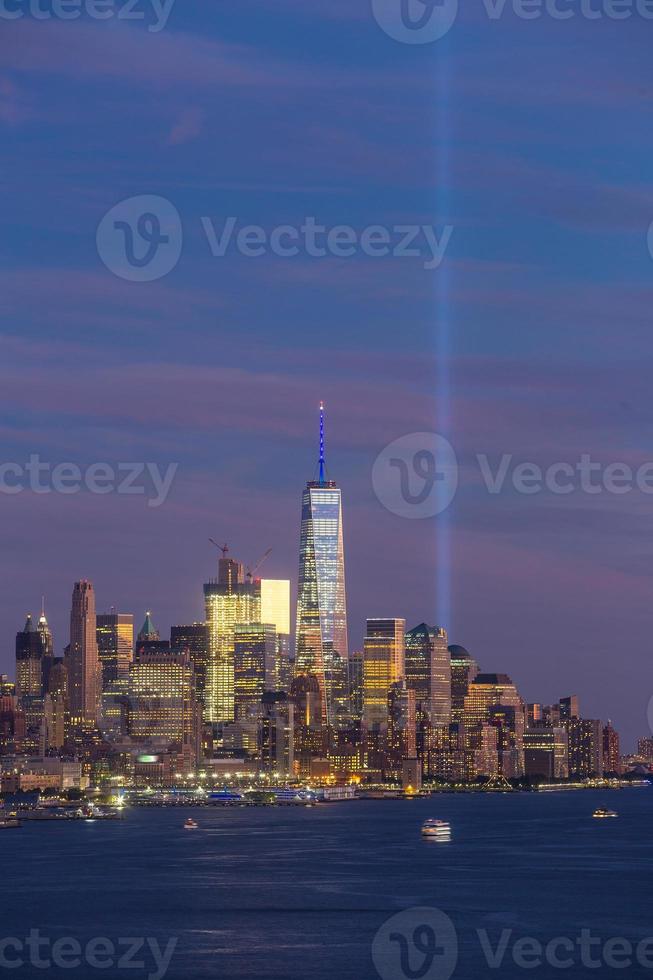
<point>531,138</point>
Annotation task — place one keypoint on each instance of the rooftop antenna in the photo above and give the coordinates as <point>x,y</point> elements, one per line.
<point>322,462</point>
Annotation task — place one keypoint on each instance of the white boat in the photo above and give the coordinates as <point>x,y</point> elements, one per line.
<point>603,814</point>
<point>191,824</point>
<point>10,822</point>
<point>436,828</point>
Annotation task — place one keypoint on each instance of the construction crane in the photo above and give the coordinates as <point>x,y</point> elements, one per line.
<point>252,572</point>
<point>224,548</point>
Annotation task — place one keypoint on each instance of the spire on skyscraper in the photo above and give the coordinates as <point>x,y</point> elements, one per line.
<point>322,476</point>
<point>148,630</point>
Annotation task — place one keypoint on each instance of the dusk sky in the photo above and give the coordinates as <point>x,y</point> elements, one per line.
<point>532,139</point>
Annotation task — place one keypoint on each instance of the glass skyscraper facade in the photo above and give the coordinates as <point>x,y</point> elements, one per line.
<point>322,646</point>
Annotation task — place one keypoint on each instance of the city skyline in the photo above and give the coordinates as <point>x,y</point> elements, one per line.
<point>233,571</point>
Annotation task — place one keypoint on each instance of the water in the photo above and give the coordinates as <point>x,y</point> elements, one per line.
<point>300,893</point>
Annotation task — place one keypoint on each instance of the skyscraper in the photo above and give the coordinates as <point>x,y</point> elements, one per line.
<point>463,671</point>
<point>322,646</point>
<point>83,662</point>
<point>383,666</point>
<point>428,671</point>
<point>229,600</point>
<point>195,639</point>
<point>115,640</point>
<point>29,661</point>
<point>163,708</point>
<point>255,665</point>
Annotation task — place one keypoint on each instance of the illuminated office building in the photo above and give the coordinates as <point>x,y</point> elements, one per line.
<point>545,752</point>
<point>115,643</point>
<point>83,665</point>
<point>569,707</point>
<point>275,604</point>
<point>383,665</point>
<point>321,641</point>
<point>493,702</point>
<point>275,609</point>
<point>115,639</point>
<point>401,735</point>
<point>229,600</point>
<point>194,639</point>
<point>29,662</point>
<point>488,690</point>
<point>164,712</point>
<point>277,734</point>
<point>428,672</point>
<point>255,666</point>
<point>463,671</point>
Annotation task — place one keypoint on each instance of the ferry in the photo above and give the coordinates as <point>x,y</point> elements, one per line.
<point>9,823</point>
<point>191,824</point>
<point>603,814</point>
<point>436,828</point>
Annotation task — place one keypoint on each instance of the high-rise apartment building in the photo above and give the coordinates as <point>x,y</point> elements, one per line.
<point>321,640</point>
<point>585,747</point>
<point>611,753</point>
<point>83,665</point>
<point>428,672</point>
<point>383,665</point>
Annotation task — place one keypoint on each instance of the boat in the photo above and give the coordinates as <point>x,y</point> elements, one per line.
<point>191,824</point>
<point>9,823</point>
<point>436,828</point>
<point>603,814</point>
